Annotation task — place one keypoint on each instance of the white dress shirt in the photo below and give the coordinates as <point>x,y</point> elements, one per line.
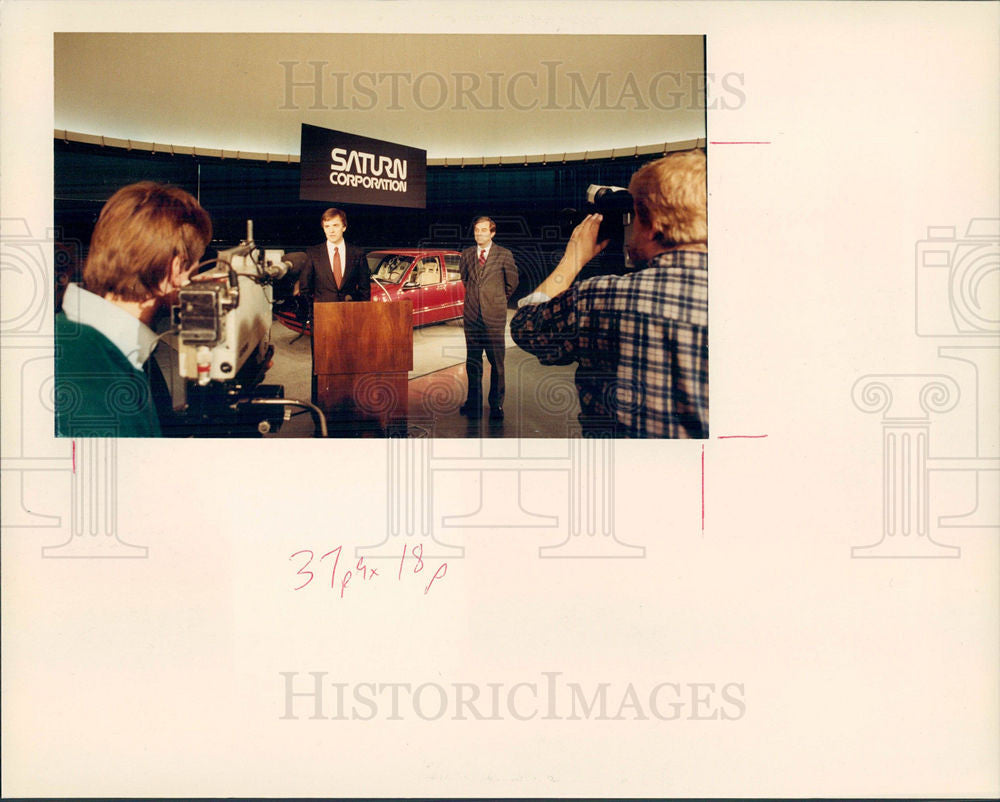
<point>342,247</point>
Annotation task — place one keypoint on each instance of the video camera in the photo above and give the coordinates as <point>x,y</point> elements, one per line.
<point>615,204</point>
<point>220,329</point>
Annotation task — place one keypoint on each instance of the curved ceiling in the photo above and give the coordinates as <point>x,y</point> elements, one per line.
<point>454,95</point>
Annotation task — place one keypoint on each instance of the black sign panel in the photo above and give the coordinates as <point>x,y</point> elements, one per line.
<point>347,168</point>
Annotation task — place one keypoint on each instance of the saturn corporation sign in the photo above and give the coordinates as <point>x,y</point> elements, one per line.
<point>346,168</point>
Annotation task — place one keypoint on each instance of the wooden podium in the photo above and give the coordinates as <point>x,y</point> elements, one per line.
<point>362,353</point>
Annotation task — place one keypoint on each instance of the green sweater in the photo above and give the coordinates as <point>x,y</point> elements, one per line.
<point>98,391</point>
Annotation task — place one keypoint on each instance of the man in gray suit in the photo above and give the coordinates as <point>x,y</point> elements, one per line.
<point>490,277</point>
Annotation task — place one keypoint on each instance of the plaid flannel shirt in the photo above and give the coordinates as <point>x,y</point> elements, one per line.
<point>641,342</point>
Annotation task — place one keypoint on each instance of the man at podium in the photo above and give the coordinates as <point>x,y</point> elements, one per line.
<point>335,271</point>
<point>362,352</point>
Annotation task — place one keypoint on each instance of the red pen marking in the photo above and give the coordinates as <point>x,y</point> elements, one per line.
<point>703,488</point>
<point>439,574</point>
<point>74,456</point>
<point>362,568</point>
<point>367,572</point>
<point>741,436</point>
<point>739,143</point>
<point>333,574</point>
<point>302,571</point>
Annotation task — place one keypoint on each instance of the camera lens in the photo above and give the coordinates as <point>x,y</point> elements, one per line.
<point>609,199</point>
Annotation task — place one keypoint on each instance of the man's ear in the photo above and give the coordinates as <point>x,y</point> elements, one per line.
<point>176,271</point>
<point>649,234</point>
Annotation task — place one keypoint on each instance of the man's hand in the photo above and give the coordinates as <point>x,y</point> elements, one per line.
<point>582,247</point>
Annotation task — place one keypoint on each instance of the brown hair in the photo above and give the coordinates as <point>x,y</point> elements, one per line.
<point>329,214</point>
<point>478,220</point>
<point>671,197</point>
<point>140,230</point>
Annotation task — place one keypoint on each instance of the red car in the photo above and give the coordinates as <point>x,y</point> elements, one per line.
<point>428,277</point>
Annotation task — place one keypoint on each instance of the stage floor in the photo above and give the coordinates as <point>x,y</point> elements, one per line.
<point>541,401</point>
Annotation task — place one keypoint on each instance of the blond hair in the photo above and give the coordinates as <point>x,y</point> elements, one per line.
<point>671,198</point>
<point>140,230</point>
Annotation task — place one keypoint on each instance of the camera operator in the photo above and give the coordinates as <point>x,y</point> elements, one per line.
<point>148,239</point>
<point>641,340</point>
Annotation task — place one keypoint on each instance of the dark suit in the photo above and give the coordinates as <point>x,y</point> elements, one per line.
<point>317,279</point>
<point>317,276</point>
<point>487,290</point>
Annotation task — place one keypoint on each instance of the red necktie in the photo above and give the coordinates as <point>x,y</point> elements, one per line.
<point>338,273</point>
<point>482,258</point>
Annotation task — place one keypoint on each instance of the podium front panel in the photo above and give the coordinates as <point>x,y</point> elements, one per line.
<point>364,337</point>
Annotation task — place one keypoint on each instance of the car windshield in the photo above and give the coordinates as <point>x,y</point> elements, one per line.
<point>388,267</point>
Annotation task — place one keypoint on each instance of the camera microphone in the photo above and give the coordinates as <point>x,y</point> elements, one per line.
<point>295,261</point>
<point>288,263</point>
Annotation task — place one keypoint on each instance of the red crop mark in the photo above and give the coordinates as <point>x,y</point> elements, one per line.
<point>739,143</point>
<point>74,456</point>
